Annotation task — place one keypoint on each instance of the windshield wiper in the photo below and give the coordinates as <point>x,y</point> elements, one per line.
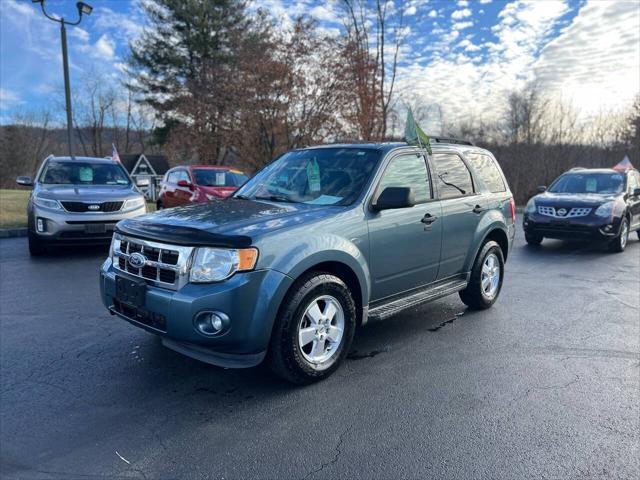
<point>241,197</point>
<point>275,198</point>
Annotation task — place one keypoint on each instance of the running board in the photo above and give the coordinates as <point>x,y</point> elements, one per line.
<point>424,295</point>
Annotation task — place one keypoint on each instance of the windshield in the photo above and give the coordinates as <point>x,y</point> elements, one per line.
<point>76,172</point>
<point>219,178</point>
<point>598,183</point>
<point>327,176</point>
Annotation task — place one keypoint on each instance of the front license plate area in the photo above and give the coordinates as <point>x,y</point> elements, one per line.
<point>131,292</point>
<point>95,228</point>
<point>560,223</point>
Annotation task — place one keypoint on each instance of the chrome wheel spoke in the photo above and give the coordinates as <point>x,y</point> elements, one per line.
<point>314,314</point>
<point>490,278</point>
<point>330,310</point>
<point>334,333</point>
<point>317,350</point>
<point>307,335</point>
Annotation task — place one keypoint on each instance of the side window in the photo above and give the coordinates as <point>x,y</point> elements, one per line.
<point>452,176</point>
<point>408,171</point>
<point>184,176</point>
<point>487,169</point>
<point>633,182</point>
<point>172,177</point>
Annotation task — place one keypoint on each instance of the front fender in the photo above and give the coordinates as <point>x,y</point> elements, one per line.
<point>313,250</point>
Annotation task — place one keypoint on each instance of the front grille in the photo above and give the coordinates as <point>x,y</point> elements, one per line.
<point>165,265</point>
<point>93,207</point>
<point>573,213</point>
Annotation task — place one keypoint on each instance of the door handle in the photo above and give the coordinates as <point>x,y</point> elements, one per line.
<point>428,219</point>
<point>478,209</point>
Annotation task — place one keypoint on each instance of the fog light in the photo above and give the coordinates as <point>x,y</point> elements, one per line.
<point>210,323</point>
<point>608,228</point>
<point>40,225</point>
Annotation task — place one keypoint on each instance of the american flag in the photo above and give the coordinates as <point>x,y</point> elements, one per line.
<point>625,164</point>
<point>114,154</point>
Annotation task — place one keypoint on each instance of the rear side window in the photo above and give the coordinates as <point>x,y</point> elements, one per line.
<point>487,169</point>
<point>452,176</point>
<point>407,171</point>
<point>173,177</point>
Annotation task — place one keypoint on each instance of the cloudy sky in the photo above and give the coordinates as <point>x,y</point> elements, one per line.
<point>462,54</point>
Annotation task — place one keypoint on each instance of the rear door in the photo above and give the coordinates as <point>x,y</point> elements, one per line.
<point>462,208</point>
<point>404,249</point>
<point>169,188</point>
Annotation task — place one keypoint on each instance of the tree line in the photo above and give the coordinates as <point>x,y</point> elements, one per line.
<point>211,81</point>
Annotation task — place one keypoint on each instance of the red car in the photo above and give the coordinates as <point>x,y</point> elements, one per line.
<point>198,183</point>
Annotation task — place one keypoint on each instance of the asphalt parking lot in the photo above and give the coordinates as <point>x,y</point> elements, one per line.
<point>544,385</point>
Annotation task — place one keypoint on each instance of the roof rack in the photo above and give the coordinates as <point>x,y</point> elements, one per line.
<point>456,141</point>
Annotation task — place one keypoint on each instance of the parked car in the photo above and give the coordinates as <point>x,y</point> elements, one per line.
<point>601,205</point>
<point>320,240</point>
<point>197,184</point>
<point>78,200</point>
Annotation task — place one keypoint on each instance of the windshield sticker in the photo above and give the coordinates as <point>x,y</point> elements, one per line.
<point>592,185</point>
<point>86,174</point>
<point>324,200</point>
<point>313,174</point>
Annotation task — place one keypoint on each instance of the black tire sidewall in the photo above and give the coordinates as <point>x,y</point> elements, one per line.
<point>616,243</point>
<point>287,359</point>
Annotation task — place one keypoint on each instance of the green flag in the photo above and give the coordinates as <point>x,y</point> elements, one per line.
<point>414,135</point>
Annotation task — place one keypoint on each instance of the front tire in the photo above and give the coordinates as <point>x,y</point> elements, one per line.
<point>159,205</point>
<point>36,248</point>
<point>486,278</point>
<point>314,329</point>
<point>619,243</point>
<point>533,239</point>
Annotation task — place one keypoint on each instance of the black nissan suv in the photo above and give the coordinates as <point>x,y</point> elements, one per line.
<point>586,204</point>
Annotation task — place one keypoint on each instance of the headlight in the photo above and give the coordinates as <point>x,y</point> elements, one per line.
<point>216,264</point>
<point>605,210</point>
<point>47,203</point>
<point>134,203</point>
<point>530,207</point>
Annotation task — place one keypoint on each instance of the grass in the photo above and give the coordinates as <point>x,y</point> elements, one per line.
<point>13,208</point>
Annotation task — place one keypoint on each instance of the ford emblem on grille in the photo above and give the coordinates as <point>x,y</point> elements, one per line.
<point>562,212</point>
<point>94,207</point>
<point>137,260</point>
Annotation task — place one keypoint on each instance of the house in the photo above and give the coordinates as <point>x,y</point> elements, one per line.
<point>146,171</point>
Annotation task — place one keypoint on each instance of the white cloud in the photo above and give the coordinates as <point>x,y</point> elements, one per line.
<point>9,99</point>
<point>104,48</point>
<point>485,1</point>
<point>411,10</point>
<point>461,25</point>
<point>433,14</point>
<point>459,14</point>
<point>324,13</point>
<point>595,61</point>
<point>463,3</point>
<point>130,23</point>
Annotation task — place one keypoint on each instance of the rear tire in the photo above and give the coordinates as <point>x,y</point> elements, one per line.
<point>36,248</point>
<point>484,287</point>
<point>159,205</point>
<point>307,343</point>
<point>533,239</point>
<point>619,243</point>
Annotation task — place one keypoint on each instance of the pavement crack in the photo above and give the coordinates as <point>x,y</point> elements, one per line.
<point>335,457</point>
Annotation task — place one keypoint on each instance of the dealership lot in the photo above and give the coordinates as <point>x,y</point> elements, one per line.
<point>545,384</point>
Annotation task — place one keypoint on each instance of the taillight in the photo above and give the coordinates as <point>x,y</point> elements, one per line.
<point>512,205</point>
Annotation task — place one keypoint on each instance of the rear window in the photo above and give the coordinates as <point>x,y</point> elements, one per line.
<point>219,178</point>
<point>486,168</point>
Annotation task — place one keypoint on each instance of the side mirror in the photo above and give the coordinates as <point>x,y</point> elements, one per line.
<point>395,197</point>
<point>143,182</point>
<point>185,184</point>
<point>542,189</point>
<point>24,181</point>
<point>636,192</point>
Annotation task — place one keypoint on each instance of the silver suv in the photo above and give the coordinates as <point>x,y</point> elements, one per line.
<point>79,200</point>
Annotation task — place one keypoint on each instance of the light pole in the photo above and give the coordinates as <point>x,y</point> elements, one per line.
<point>82,8</point>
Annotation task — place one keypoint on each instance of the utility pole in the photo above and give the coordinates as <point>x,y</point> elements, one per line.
<point>82,8</point>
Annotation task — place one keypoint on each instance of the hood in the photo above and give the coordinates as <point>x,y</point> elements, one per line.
<point>573,199</point>
<point>218,191</point>
<point>232,222</point>
<point>84,193</point>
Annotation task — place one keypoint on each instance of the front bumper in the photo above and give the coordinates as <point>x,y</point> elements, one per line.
<point>588,228</point>
<point>250,300</point>
<point>71,228</point>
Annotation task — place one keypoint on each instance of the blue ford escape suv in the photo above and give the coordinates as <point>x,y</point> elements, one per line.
<point>319,241</point>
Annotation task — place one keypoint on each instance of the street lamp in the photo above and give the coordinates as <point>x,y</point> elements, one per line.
<point>85,9</point>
